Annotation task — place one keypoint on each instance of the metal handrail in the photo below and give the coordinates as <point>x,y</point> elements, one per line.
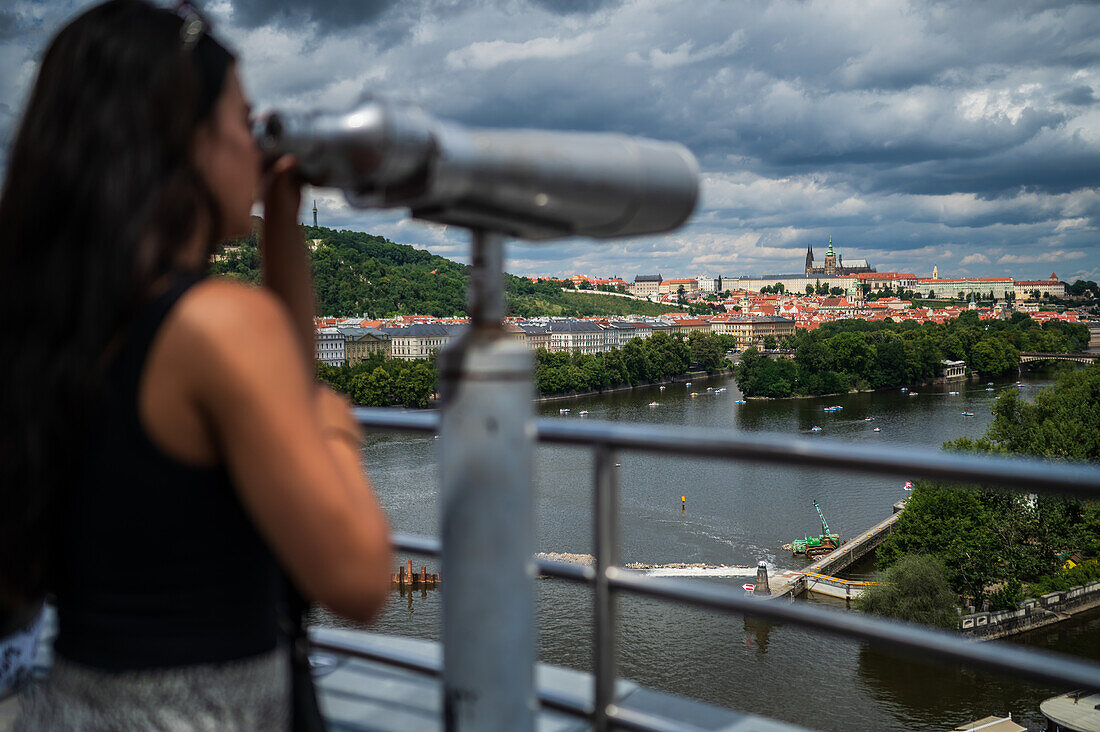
<point>1024,474</point>
<point>608,578</point>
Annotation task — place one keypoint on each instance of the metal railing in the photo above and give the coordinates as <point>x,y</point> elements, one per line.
<point>608,578</point>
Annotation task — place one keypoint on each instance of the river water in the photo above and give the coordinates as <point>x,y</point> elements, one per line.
<point>736,514</point>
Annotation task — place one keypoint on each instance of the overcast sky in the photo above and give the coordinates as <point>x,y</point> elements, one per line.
<point>964,134</point>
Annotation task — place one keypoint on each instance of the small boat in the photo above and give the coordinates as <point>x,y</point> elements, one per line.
<point>905,388</point>
<point>868,419</point>
<point>989,383</point>
<point>584,412</point>
<point>815,428</point>
<point>694,394</point>
<point>710,388</point>
<point>913,393</point>
<point>989,388</point>
<point>968,414</point>
<point>687,383</point>
<point>662,388</point>
<point>908,486</point>
<point>740,401</point>
<point>654,404</point>
<point>952,393</point>
<point>877,429</point>
<point>563,411</point>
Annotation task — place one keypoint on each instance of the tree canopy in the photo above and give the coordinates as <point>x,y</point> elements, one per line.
<point>362,274</point>
<point>848,354</point>
<point>1000,546</point>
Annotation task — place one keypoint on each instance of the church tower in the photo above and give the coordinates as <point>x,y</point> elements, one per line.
<point>809,259</point>
<point>315,212</point>
<point>830,259</point>
<point>935,272</point>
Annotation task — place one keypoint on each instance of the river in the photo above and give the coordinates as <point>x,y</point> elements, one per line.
<point>736,514</point>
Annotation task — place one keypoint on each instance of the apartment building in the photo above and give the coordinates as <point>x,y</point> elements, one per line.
<point>576,336</point>
<point>329,346</point>
<point>752,330</point>
<point>361,343</point>
<point>420,340</point>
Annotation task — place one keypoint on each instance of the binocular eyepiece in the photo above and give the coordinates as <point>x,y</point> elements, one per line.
<point>528,184</point>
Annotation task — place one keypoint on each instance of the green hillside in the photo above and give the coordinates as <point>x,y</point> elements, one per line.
<point>358,273</point>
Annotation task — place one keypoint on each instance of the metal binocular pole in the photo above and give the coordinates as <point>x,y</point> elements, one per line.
<point>486,445</point>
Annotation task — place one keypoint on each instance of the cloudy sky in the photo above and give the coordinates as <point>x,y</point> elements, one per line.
<point>964,134</point>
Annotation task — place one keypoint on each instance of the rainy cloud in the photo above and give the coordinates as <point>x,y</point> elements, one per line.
<point>965,135</point>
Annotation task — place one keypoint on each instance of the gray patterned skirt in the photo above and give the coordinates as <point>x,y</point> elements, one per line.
<point>250,694</point>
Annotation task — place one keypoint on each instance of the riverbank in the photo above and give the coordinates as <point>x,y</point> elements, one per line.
<point>1031,614</point>
<point>679,379</point>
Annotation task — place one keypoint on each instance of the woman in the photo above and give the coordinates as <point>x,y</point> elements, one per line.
<point>174,460</point>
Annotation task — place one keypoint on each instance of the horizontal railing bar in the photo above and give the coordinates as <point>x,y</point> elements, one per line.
<point>428,546</point>
<point>1027,474</point>
<point>1003,657</point>
<point>862,627</point>
<point>644,722</point>
<point>572,704</point>
<point>397,420</point>
<point>431,546</point>
<point>363,649</point>
<point>905,462</point>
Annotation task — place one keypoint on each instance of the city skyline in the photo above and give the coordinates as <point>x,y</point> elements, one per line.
<point>894,128</point>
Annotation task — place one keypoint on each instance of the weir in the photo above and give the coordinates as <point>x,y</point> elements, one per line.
<point>837,561</point>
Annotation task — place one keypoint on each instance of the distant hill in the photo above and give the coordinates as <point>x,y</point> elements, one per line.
<point>355,273</point>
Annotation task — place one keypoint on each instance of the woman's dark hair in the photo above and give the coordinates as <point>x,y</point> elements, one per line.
<point>99,197</point>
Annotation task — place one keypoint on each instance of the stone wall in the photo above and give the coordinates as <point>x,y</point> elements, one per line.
<point>1032,613</point>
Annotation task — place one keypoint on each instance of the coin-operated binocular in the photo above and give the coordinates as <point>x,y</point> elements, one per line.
<point>529,184</point>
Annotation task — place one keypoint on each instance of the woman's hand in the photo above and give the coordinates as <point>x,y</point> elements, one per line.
<point>334,415</point>
<point>282,192</point>
<point>285,260</point>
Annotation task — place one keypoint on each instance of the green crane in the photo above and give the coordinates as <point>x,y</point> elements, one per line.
<point>812,545</point>
<point>824,524</point>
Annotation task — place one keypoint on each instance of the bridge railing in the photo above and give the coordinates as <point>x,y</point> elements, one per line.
<point>608,578</point>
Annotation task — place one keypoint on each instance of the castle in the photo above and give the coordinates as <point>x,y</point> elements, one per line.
<point>834,263</point>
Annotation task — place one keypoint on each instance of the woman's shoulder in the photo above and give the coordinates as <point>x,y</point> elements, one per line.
<point>221,301</point>
<point>219,319</point>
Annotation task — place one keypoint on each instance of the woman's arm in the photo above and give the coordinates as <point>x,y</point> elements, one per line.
<point>285,259</point>
<point>291,448</point>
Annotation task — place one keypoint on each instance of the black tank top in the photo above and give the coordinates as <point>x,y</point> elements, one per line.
<point>159,563</point>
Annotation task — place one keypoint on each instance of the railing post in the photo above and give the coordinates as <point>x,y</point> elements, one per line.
<point>487,524</point>
<point>605,536</point>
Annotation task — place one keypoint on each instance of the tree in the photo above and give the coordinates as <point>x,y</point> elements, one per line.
<point>373,389</point>
<point>778,288</point>
<point>809,289</point>
<point>951,523</point>
<point>836,291</point>
<point>681,295</point>
<point>414,384</point>
<point>769,343</point>
<point>914,590</point>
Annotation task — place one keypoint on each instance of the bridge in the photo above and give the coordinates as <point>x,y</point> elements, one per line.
<point>824,584</point>
<point>1078,357</point>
